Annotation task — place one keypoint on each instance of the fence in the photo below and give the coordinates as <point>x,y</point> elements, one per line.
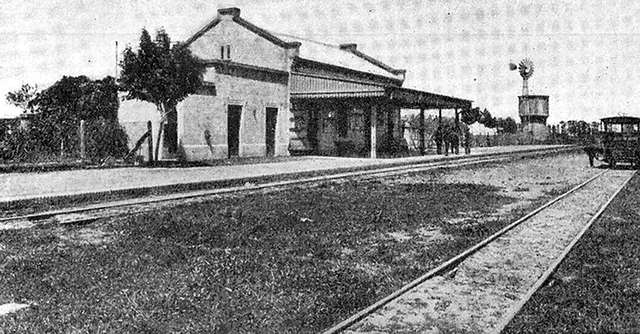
<point>87,141</point>
<point>412,137</point>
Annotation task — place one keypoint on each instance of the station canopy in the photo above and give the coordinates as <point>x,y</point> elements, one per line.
<point>310,87</point>
<point>415,99</point>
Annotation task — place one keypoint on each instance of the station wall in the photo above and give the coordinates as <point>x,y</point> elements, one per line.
<point>344,121</point>
<point>202,119</point>
<point>246,47</point>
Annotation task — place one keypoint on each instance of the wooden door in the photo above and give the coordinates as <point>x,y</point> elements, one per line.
<point>234,116</point>
<point>270,130</point>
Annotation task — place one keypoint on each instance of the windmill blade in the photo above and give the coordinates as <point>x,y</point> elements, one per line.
<point>526,68</point>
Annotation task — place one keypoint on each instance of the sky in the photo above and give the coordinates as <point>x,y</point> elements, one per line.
<point>585,52</point>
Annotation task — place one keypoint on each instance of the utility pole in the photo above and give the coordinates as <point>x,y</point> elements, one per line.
<point>116,67</point>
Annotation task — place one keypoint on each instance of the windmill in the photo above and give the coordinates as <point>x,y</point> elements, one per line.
<point>526,71</point>
<point>533,109</point>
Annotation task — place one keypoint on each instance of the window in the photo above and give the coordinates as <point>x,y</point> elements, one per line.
<point>225,52</point>
<point>208,88</point>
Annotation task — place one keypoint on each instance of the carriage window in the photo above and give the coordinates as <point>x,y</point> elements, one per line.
<point>636,127</point>
<point>616,128</point>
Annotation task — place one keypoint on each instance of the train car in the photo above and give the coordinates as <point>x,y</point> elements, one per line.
<point>618,141</point>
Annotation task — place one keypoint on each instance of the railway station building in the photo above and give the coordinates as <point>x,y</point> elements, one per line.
<point>268,94</point>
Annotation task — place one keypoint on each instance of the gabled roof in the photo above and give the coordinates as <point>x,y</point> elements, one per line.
<point>235,13</point>
<point>344,55</point>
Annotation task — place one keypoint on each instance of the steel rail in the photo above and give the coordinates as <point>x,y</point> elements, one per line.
<point>239,189</point>
<point>511,313</point>
<point>451,263</point>
<point>376,172</point>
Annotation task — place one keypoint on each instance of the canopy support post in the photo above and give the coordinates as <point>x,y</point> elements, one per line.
<point>421,131</point>
<point>373,120</point>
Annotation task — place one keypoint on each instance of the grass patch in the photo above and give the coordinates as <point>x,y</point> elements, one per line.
<point>596,289</point>
<point>25,207</point>
<point>295,261</point>
<point>289,262</point>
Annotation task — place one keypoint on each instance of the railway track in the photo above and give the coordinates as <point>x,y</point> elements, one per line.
<point>481,289</point>
<point>89,213</point>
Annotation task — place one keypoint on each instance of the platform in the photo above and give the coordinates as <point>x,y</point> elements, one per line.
<point>31,186</point>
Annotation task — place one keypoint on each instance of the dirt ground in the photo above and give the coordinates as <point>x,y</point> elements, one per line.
<point>596,289</point>
<point>295,261</point>
<point>477,295</point>
<point>524,181</point>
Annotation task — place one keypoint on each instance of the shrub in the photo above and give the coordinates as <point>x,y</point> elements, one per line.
<point>105,138</point>
<point>19,145</point>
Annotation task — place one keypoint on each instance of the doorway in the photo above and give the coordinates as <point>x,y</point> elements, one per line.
<point>234,114</point>
<point>312,130</point>
<point>270,130</point>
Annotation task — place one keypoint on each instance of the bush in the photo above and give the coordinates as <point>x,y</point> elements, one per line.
<point>19,145</point>
<point>344,146</point>
<point>394,146</point>
<point>106,138</point>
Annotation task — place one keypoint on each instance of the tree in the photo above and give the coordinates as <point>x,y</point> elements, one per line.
<point>578,129</point>
<point>71,99</point>
<point>163,75</point>
<point>23,97</point>
<point>508,125</point>
<point>106,137</point>
<point>470,116</point>
<point>486,119</point>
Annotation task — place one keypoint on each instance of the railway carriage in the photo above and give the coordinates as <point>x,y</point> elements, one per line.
<point>618,141</point>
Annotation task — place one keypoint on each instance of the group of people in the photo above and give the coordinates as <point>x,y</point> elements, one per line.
<point>449,138</point>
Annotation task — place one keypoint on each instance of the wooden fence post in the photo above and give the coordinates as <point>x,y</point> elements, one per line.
<point>150,142</point>
<point>83,141</point>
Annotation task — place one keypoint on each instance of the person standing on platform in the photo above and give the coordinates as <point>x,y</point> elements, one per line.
<point>455,141</point>
<point>437,137</point>
<point>467,140</point>
<point>446,139</point>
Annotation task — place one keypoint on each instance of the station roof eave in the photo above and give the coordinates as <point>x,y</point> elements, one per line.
<point>306,86</point>
<point>415,99</point>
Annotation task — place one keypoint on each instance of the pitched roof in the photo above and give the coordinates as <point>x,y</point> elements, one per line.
<point>235,13</point>
<point>344,55</point>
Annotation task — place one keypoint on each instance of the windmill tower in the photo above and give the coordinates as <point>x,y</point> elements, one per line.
<point>532,109</point>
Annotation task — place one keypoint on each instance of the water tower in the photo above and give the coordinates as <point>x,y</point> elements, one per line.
<point>532,109</point>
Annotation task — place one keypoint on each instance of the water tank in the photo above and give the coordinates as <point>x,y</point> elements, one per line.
<point>534,111</point>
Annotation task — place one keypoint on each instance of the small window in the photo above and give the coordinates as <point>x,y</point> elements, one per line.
<point>225,52</point>
<point>208,88</point>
